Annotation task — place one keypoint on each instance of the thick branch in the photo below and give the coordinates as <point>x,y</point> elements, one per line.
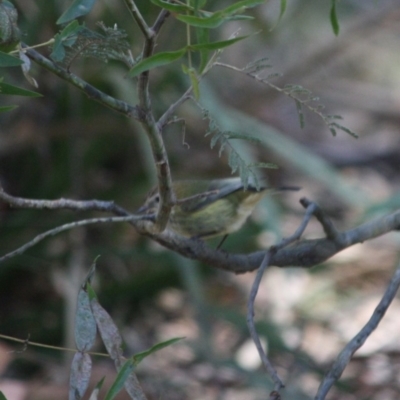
<point>93,93</point>
<point>305,253</point>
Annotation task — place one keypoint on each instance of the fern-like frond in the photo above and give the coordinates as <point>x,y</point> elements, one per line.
<point>109,44</point>
<point>246,170</point>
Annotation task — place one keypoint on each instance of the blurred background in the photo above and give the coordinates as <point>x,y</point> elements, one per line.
<point>64,145</point>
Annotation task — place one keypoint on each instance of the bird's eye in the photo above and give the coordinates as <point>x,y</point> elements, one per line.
<point>157,199</point>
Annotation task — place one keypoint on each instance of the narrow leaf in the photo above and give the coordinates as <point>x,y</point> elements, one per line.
<point>6,60</point>
<point>85,324</point>
<point>7,108</point>
<point>334,18</point>
<point>2,397</point>
<point>77,9</point>
<point>240,6</point>
<point>5,88</point>
<point>209,22</point>
<point>81,369</point>
<point>216,45</point>
<point>281,12</point>
<point>140,356</point>
<point>194,80</point>
<point>120,380</point>
<point>108,330</point>
<point>95,392</point>
<point>174,8</point>
<point>157,60</point>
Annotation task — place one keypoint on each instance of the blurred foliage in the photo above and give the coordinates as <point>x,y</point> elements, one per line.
<point>65,145</point>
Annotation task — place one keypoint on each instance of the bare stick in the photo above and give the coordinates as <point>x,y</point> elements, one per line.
<point>278,384</point>
<point>65,227</point>
<point>345,355</point>
<point>137,16</point>
<point>63,204</point>
<point>172,108</point>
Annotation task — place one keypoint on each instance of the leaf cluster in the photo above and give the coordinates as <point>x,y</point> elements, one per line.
<point>76,41</point>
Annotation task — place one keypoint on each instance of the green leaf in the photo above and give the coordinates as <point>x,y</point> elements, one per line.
<point>174,8</point>
<point>6,60</point>
<point>7,108</point>
<point>72,28</point>
<point>194,80</point>
<point>95,392</point>
<point>66,37</point>
<point>240,6</point>
<point>2,397</point>
<point>77,9</point>
<point>334,18</point>
<point>58,52</point>
<point>140,356</point>
<point>203,36</point>
<point>5,88</point>
<point>120,380</point>
<point>157,60</point>
<point>209,22</point>
<point>216,45</point>
<point>281,12</point>
<point>214,20</point>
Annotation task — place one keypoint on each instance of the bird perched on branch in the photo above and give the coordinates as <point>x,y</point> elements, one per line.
<point>209,208</point>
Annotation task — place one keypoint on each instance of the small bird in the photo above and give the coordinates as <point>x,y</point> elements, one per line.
<point>209,208</point>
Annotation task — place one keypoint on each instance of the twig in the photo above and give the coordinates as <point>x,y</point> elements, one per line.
<point>92,92</point>
<point>27,342</point>
<point>345,355</point>
<point>167,196</point>
<point>63,204</point>
<point>278,384</point>
<point>137,16</point>
<point>159,22</point>
<point>172,108</point>
<point>68,226</point>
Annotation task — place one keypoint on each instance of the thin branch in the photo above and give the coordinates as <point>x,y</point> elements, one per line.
<point>93,93</point>
<point>278,384</point>
<point>137,16</point>
<point>345,355</point>
<point>27,342</point>
<point>64,204</point>
<point>159,22</point>
<point>65,227</point>
<point>163,120</point>
<point>167,196</point>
